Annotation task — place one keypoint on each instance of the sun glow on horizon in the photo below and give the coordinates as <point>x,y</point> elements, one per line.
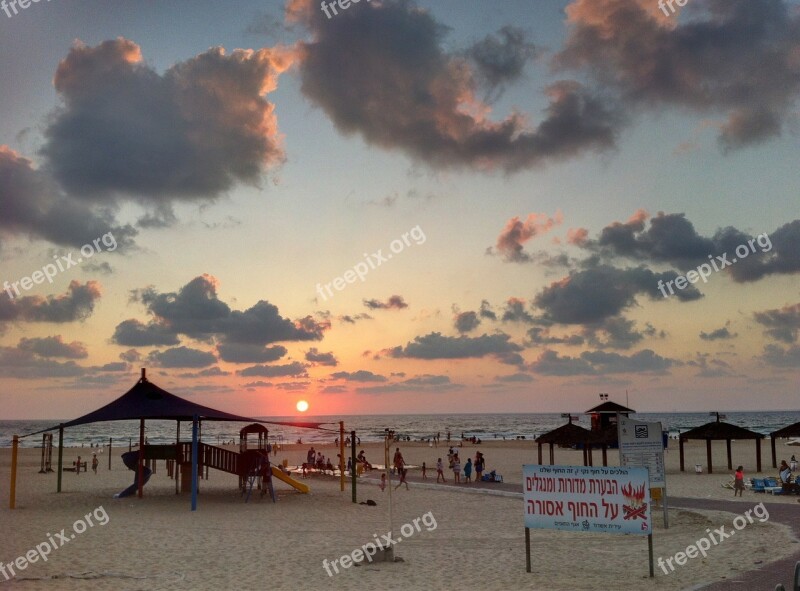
<point>302,406</point>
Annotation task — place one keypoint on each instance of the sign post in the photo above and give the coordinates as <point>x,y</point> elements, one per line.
<point>642,444</point>
<point>587,499</point>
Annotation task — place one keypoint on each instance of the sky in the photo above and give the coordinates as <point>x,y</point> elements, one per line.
<point>400,207</point>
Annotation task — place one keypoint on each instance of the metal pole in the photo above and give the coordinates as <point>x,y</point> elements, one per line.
<point>12,497</point>
<point>353,460</point>
<point>194,463</point>
<point>60,454</point>
<point>140,463</point>
<point>389,552</point>
<point>527,550</point>
<point>341,456</point>
<point>666,510</point>
<point>110,441</point>
<point>650,552</point>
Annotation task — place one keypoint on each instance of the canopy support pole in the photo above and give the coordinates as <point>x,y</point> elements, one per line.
<point>140,463</point>
<point>194,463</point>
<point>60,454</point>
<point>12,496</point>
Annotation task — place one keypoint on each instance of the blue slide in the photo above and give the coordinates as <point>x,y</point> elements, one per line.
<point>131,460</point>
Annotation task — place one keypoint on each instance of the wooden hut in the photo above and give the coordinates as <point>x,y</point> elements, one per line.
<point>570,435</point>
<point>719,430</point>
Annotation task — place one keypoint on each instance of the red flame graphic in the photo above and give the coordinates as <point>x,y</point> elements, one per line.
<point>634,494</point>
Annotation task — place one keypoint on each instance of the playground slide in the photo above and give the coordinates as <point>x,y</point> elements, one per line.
<point>281,475</point>
<point>131,460</point>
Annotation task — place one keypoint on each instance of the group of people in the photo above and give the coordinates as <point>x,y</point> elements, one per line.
<point>454,464</point>
<point>784,474</point>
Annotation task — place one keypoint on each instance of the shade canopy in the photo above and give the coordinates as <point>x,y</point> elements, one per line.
<point>792,430</point>
<point>610,408</point>
<point>720,430</point>
<point>568,434</point>
<point>147,401</point>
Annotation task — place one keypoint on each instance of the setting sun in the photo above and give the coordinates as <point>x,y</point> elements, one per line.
<point>302,405</point>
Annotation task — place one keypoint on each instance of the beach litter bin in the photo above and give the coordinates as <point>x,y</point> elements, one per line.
<point>698,469</point>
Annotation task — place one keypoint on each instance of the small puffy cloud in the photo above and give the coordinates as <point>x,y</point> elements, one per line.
<point>437,346</point>
<point>27,365</point>
<point>133,333</point>
<point>319,358</point>
<point>782,324</point>
<point>76,304</point>
<point>211,372</point>
<point>182,357</point>
<point>54,347</point>
<point>782,358</point>
<point>395,302</point>
<point>466,321</point>
<point>352,319</point>
<point>358,376</point>
<point>422,383</point>
<point>294,369</point>
<point>600,362</point>
<point>247,353</point>
<point>486,311</point>
<point>515,312</point>
<point>515,378</point>
<point>516,233</point>
<point>718,334</point>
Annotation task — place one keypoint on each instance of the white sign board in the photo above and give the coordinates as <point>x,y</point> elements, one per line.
<point>585,498</point>
<point>642,444</point>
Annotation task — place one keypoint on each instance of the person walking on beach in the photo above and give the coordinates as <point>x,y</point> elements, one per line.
<point>468,471</point>
<point>398,461</point>
<point>424,471</point>
<point>402,473</point>
<point>440,471</point>
<point>383,481</point>
<point>457,469</point>
<point>94,463</point>
<point>78,466</point>
<point>738,483</point>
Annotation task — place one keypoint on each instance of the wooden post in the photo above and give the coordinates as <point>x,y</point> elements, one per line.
<point>60,454</point>
<point>552,455</point>
<point>12,496</point>
<point>177,455</point>
<point>540,454</point>
<point>589,452</point>
<point>585,459</point>
<point>110,442</point>
<point>353,460</point>
<point>194,463</point>
<point>140,462</point>
<point>708,456</point>
<point>774,456</point>
<point>728,449</point>
<point>341,456</point>
<point>680,446</point>
<point>758,454</point>
<point>605,455</point>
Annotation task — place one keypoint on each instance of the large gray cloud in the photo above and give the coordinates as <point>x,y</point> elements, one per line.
<point>781,324</point>
<point>380,70</point>
<point>437,346</point>
<point>193,132</point>
<point>733,57</point>
<point>182,357</point>
<point>76,304</point>
<point>601,362</point>
<point>54,347</point>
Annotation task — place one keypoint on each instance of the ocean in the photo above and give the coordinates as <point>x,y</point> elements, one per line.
<point>371,427</point>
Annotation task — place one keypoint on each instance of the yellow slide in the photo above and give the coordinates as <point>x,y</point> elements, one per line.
<point>281,475</point>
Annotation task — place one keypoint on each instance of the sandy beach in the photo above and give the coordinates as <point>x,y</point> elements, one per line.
<point>467,541</point>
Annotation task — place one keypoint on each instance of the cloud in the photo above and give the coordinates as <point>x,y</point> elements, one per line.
<point>320,358</point>
<point>515,378</point>
<point>247,353</point>
<point>358,376</point>
<point>294,369</point>
<point>54,347</point>
<point>600,362</point>
<point>355,318</point>
<point>34,206</point>
<point>27,365</point>
<point>539,335</point>
<point>422,383</point>
<point>718,334</point>
<point>192,132</point>
<point>593,295</point>
<point>466,321</point>
<point>781,324</point>
<point>196,311</point>
<point>501,58</point>
<point>618,333</point>
<point>427,95</point>
<point>516,233</point>
<point>182,357</point>
<point>211,372</point>
<point>737,58</point>
<point>515,312</point>
<point>780,357</point>
<point>395,302</point>
<point>76,304</point>
<point>486,311</point>
<point>437,346</point>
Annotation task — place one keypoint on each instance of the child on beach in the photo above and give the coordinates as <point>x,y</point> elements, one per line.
<point>738,484</point>
<point>457,469</point>
<point>440,470</point>
<point>94,463</point>
<point>424,470</point>
<point>468,471</point>
<point>403,473</point>
<point>383,481</point>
